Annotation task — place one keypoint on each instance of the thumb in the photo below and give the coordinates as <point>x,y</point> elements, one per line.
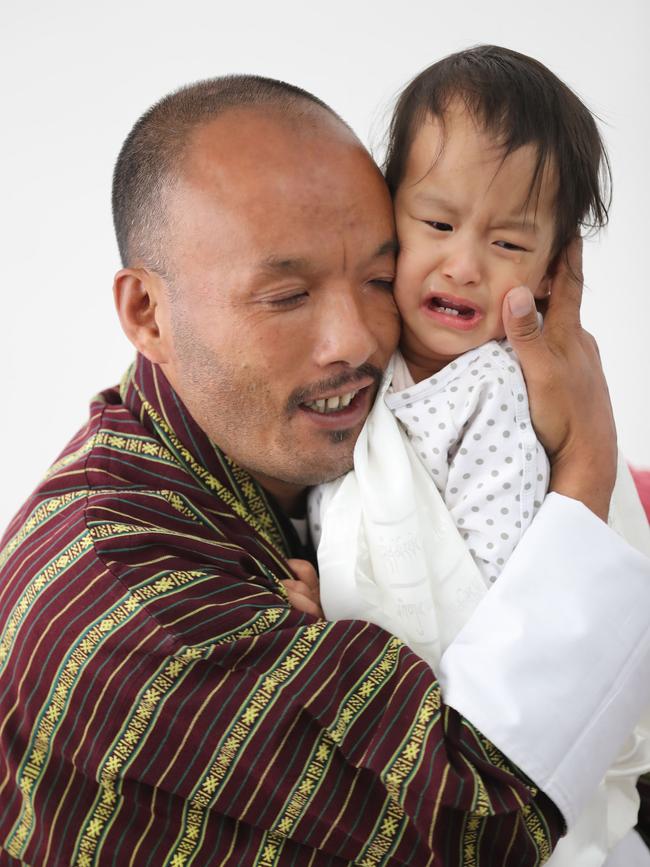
<point>520,320</point>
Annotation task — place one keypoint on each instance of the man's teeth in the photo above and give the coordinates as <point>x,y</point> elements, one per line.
<point>332,404</point>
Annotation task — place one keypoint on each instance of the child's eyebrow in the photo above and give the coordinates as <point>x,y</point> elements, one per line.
<point>428,198</point>
<point>512,222</point>
<point>518,224</point>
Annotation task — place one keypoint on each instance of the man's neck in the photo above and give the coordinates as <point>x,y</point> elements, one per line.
<point>292,499</point>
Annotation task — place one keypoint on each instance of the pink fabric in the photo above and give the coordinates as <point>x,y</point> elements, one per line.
<point>642,481</point>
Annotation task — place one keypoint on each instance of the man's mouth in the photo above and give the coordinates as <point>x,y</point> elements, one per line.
<point>341,402</point>
<point>328,405</point>
<point>341,411</point>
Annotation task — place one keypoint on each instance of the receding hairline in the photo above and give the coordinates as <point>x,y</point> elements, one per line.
<point>314,121</point>
<point>152,154</point>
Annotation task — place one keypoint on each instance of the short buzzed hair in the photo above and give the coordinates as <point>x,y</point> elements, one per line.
<point>518,100</point>
<point>150,157</point>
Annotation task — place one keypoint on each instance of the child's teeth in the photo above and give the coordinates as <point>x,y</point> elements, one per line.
<point>449,310</point>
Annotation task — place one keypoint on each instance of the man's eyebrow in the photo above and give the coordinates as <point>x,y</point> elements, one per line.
<point>285,265</point>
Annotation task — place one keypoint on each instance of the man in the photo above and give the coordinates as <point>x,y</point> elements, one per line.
<point>162,703</point>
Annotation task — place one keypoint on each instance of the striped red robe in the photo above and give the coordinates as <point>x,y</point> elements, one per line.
<point>162,704</point>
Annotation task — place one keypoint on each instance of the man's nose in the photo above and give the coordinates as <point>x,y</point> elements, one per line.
<point>345,331</point>
<point>462,263</point>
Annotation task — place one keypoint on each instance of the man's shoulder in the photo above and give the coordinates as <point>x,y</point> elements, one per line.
<point>118,518</point>
<point>113,492</point>
<point>112,451</point>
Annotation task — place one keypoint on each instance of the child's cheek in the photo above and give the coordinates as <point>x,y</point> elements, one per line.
<point>411,272</point>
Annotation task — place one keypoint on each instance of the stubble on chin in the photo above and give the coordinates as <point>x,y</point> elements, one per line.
<point>237,414</point>
<point>340,436</point>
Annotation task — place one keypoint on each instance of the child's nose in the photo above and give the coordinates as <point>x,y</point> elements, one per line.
<point>462,264</point>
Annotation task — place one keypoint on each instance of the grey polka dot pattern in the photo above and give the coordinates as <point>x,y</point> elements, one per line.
<point>493,473</point>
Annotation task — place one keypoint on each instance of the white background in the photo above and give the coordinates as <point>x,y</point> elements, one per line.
<point>76,75</point>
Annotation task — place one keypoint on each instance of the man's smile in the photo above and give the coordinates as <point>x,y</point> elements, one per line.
<point>332,404</point>
<point>343,409</point>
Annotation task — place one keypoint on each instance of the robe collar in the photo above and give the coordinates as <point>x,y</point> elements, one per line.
<point>147,393</point>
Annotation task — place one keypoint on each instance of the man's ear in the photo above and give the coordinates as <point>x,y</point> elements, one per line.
<point>140,300</point>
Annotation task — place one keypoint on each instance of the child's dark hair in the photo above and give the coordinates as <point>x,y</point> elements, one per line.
<point>521,102</point>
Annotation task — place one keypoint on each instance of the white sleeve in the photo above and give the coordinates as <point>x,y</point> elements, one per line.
<point>498,472</point>
<point>554,665</point>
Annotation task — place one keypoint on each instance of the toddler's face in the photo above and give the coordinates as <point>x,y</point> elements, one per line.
<point>465,238</point>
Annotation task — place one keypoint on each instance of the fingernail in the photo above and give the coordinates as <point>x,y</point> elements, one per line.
<point>520,301</point>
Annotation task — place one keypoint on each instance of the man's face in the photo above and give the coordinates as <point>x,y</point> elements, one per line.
<point>281,315</point>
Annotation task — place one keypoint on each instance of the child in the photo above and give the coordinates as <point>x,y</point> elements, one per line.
<point>494,165</point>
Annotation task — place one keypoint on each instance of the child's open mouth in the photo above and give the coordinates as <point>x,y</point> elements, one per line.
<point>453,312</point>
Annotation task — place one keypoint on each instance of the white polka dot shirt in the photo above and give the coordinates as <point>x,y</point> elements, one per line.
<point>470,424</point>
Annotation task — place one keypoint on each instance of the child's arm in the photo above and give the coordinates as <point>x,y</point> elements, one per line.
<point>303,592</point>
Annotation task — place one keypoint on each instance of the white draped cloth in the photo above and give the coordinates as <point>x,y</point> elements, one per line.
<point>390,553</point>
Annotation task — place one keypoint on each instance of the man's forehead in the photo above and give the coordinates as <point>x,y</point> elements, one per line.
<point>245,135</point>
<point>285,264</point>
<point>255,169</point>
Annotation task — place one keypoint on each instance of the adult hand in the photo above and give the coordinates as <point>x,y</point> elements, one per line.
<point>569,400</point>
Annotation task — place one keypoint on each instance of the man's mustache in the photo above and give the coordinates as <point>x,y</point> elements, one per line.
<point>312,392</point>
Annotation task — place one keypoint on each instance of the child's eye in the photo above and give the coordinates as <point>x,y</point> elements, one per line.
<point>440,227</point>
<point>506,245</point>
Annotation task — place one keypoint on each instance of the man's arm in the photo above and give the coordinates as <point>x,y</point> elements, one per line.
<point>152,703</point>
<point>550,666</point>
<point>177,715</point>
<point>553,631</point>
